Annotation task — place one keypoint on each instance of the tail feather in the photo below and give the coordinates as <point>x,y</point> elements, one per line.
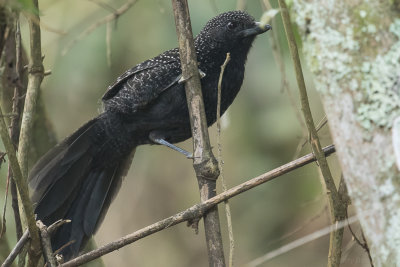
<point>78,179</point>
<point>56,182</point>
<point>73,231</point>
<point>120,172</point>
<point>96,200</point>
<point>54,164</point>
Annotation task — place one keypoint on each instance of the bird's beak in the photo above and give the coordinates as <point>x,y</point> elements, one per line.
<point>257,29</point>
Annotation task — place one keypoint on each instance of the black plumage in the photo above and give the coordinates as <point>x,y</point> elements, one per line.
<point>78,178</point>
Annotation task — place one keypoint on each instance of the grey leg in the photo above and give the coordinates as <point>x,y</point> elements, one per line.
<point>165,143</point>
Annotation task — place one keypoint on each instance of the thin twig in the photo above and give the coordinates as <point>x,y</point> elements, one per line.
<point>366,247</point>
<point>3,223</point>
<point>46,244</point>
<point>304,140</point>
<point>335,205</point>
<point>24,239</point>
<point>64,246</point>
<point>204,162</point>
<point>279,59</point>
<point>301,241</point>
<point>364,244</point>
<point>214,6</point>
<point>220,163</point>
<point>14,124</point>
<point>197,210</point>
<point>115,15</point>
<point>16,250</point>
<point>18,178</point>
<point>108,43</point>
<point>104,5</point>
<point>241,4</point>
<point>55,225</point>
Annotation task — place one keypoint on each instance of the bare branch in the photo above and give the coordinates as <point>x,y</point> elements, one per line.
<point>18,178</point>
<point>35,78</point>
<point>197,210</point>
<point>204,162</point>
<point>16,250</point>
<point>220,163</point>
<point>46,244</point>
<point>24,239</point>
<point>241,4</point>
<point>14,124</point>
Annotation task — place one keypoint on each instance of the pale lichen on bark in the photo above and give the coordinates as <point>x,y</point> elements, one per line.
<point>353,49</point>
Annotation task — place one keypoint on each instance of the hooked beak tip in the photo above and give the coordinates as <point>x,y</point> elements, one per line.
<point>264,27</point>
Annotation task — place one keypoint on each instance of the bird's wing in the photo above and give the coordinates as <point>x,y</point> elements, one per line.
<point>144,82</point>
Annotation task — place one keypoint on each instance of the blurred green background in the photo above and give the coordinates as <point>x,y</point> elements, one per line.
<point>261,131</point>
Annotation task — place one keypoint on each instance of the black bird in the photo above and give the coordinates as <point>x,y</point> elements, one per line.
<point>79,178</point>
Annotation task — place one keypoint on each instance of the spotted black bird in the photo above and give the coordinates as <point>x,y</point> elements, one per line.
<point>79,178</point>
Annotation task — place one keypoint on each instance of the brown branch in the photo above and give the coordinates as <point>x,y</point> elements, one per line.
<point>220,163</point>
<point>279,59</point>
<point>24,239</point>
<point>241,4</point>
<point>16,250</point>
<point>366,247</point>
<point>115,15</point>
<point>3,222</point>
<point>35,77</point>
<point>14,124</point>
<point>336,207</point>
<point>19,180</point>
<point>46,244</point>
<point>204,162</point>
<point>197,210</point>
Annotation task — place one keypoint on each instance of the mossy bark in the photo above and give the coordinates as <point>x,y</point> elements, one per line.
<point>353,49</point>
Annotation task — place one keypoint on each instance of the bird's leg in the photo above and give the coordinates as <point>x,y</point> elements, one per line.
<point>163,142</point>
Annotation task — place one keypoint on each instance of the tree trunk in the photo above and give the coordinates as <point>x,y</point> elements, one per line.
<point>353,49</point>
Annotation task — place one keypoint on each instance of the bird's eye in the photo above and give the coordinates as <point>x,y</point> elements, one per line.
<point>231,25</point>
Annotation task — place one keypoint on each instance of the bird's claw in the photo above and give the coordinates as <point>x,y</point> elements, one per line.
<point>182,79</point>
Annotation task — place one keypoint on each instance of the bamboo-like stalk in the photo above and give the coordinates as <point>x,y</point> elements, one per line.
<point>204,162</point>
<point>336,207</point>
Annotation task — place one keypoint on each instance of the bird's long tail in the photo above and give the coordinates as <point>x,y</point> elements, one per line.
<point>78,178</point>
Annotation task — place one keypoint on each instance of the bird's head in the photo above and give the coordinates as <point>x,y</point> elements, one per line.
<point>234,30</point>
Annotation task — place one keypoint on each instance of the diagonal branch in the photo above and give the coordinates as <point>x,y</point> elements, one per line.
<point>24,239</point>
<point>197,210</point>
<point>19,180</point>
<point>35,78</point>
<point>204,162</point>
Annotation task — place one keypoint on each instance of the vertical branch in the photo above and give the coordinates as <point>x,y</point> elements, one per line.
<point>14,124</point>
<point>35,77</point>
<point>46,244</point>
<point>204,162</point>
<point>241,4</point>
<point>336,208</point>
<point>21,185</point>
<point>4,246</point>
<point>220,163</point>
